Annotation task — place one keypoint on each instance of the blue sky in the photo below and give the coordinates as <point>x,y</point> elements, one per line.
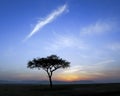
<point>84,32</point>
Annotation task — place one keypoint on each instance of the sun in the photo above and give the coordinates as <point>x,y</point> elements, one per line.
<point>69,77</point>
<point>73,74</point>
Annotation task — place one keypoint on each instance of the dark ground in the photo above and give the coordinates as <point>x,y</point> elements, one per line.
<point>60,90</point>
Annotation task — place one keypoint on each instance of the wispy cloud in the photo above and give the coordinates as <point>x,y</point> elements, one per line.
<point>98,27</point>
<point>61,42</point>
<point>91,69</point>
<point>73,69</point>
<point>99,67</point>
<point>65,41</point>
<point>52,16</point>
<point>105,62</point>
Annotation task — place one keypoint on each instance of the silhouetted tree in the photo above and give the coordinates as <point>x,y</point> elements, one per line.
<point>49,64</point>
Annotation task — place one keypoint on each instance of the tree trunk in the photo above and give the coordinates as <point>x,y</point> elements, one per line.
<point>50,80</point>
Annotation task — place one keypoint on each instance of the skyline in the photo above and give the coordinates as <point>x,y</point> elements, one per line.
<point>86,33</point>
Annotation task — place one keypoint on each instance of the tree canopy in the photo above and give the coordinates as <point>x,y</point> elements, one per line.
<point>49,64</point>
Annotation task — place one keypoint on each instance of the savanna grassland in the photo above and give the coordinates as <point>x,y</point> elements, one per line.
<point>60,90</point>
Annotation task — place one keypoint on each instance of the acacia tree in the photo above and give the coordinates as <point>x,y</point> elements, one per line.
<point>49,64</point>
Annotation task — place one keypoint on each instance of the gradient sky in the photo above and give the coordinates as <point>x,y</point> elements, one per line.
<point>84,32</point>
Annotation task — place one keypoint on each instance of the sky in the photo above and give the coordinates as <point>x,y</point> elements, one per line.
<point>83,32</point>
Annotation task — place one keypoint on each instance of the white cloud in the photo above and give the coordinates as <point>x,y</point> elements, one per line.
<point>63,41</point>
<point>100,67</point>
<point>47,20</point>
<point>93,69</point>
<point>60,42</point>
<point>73,69</point>
<point>98,28</point>
<point>105,62</point>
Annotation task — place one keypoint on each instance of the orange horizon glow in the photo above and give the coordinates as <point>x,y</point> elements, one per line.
<point>71,77</point>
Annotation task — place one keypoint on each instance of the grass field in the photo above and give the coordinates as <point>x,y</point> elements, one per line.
<point>60,90</point>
